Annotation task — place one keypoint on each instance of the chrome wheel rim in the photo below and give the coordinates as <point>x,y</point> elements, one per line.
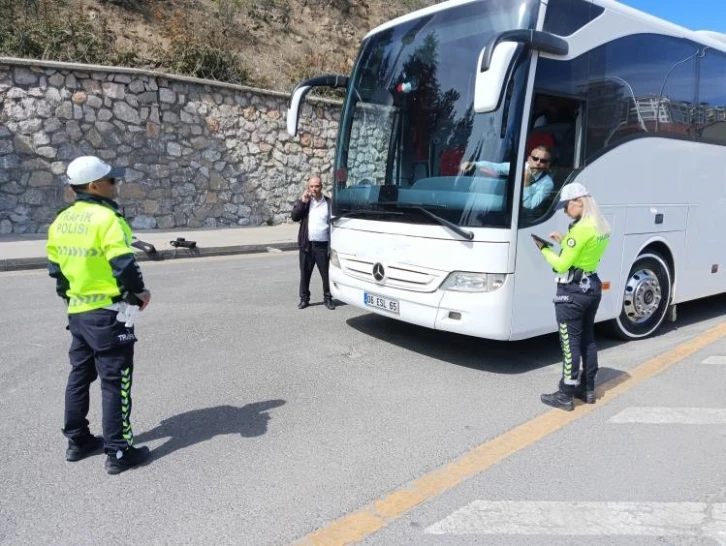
<point>643,295</point>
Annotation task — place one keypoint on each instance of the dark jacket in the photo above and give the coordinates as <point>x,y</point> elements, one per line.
<point>300,213</point>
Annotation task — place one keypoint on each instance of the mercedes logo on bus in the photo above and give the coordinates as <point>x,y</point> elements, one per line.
<point>378,272</point>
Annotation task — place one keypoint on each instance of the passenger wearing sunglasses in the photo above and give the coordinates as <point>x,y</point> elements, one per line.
<point>538,183</point>
<point>90,256</point>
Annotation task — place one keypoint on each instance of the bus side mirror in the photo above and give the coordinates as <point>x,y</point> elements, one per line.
<point>302,89</point>
<point>489,87</point>
<point>495,62</point>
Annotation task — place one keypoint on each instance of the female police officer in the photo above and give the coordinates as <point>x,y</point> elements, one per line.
<point>579,291</point>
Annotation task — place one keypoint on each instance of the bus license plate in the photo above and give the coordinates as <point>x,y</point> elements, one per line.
<point>379,302</point>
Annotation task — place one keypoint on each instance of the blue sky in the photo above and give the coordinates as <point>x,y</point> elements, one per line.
<point>693,14</point>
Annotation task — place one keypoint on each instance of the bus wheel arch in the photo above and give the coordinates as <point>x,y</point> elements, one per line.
<point>647,293</point>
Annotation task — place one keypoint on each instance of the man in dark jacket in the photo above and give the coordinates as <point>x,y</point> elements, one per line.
<point>312,210</point>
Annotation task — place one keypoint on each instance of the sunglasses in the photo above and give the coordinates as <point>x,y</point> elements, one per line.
<point>540,159</point>
<point>111,181</point>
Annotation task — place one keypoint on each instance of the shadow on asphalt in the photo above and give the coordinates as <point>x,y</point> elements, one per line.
<point>194,427</point>
<point>510,357</point>
<point>337,303</point>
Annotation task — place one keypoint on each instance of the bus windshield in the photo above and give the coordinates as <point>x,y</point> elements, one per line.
<point>409,138</point>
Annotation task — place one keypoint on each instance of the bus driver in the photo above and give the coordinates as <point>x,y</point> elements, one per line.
<point>538,183</point>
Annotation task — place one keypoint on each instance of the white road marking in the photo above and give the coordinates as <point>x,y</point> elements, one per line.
<point>671,416</point>
<point>586,519</point>
<point>715,360</point>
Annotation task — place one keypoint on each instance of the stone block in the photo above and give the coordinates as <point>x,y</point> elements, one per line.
<point>7,202</point>
<point>23,76</point>
<point>47,151</point>
<point>91,86</point>
<point>51,125</point>
<point>29,126</point>
<point>126,113</point>
<point>23,144</point>
<point>143,222</point>
<point>40,179</point>
<point>136,86</point>
<point>12,187</point>
<point>94,102</point>
<point>132,191</point>
<point>114,90</point>
<point>52,95</point>
<point>57,80</point>
<point>174,149</point>
<point>165,222</point>
<point>167,95</point>
<point>58,168</point>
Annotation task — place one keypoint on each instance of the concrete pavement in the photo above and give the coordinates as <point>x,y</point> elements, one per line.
<point>19,252</point>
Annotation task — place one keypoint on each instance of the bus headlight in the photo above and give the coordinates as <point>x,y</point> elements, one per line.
<point>334,258</point>
<point>462,281</point>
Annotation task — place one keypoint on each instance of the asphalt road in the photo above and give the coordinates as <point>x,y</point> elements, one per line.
<point>268,423</point>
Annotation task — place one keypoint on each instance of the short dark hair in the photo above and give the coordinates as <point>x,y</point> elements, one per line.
<point>80,188</point>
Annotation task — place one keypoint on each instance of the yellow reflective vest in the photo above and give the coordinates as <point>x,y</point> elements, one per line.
<point>582,247</point>
<point>82,240</point>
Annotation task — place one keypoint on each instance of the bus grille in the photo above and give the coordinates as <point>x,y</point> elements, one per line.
<point>402,276</point>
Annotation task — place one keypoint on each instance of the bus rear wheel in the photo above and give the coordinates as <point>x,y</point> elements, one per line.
<point>646,298</point>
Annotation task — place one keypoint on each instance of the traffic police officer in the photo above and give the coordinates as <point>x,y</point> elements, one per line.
<point>579,291</point>
<point>90,256</point>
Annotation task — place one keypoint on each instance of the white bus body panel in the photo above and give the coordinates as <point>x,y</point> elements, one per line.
<point>692,227</point>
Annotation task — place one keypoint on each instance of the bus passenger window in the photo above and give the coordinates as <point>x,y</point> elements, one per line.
<point>711,113</point>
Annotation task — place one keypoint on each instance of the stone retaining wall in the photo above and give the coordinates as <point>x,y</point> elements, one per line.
<point>198,154</point>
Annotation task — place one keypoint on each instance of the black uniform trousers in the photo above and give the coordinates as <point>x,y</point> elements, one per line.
<point>576,305</point>
<point>316,253</point>
<point>102,346</point>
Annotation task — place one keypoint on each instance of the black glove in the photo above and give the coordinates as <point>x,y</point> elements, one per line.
<point>132,299</point>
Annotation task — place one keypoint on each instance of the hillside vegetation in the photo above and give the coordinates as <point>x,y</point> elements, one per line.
<point>264,43</point>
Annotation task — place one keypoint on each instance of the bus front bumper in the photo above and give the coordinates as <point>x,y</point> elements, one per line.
<point>480,314</point>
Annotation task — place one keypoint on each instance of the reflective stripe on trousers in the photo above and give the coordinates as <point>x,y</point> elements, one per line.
<point>576,305</point>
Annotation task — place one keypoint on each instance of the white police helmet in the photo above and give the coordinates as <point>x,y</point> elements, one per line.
<point>572,191</point>
<point>89,168</point>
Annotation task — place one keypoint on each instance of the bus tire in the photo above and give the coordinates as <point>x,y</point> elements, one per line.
<point>646,298</point>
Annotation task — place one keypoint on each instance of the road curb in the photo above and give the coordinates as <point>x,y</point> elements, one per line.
<point>20,264</point>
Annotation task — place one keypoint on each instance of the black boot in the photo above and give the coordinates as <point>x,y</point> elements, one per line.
<point>303,304</point>
<point>585,394</point>
<point>84,447</point>
<point>131,458</point>
<point>559,400</point>
<point>329,303</point>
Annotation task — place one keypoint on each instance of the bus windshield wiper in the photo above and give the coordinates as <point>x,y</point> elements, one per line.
<point>465,233</point>
<point>365,212</point>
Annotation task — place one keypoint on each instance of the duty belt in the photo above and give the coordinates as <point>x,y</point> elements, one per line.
<point>573,275</point>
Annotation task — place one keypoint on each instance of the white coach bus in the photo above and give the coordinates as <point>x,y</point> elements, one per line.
<point>635,108</point>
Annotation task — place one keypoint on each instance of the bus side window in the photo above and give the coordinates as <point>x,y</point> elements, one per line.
<point>711,112</point>
<point>639,86</point>
<point>556,123</point>
<point>565,17</point>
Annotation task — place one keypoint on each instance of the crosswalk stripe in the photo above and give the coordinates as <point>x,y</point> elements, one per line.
<point>671,416</point>
<point>585,519</point>
<point>715,360</point>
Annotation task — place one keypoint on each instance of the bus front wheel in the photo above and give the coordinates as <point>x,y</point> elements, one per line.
<point>646,298</point>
